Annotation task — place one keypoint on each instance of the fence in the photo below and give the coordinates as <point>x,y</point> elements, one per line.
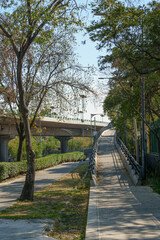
<point>133,167</point>
<point>93,155</point>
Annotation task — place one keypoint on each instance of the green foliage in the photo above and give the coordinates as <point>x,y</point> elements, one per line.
<point>12,169</point>
<point>132,38</point>
<point>8,170</point>
<point>45,146</point>
<point>27,18</point>
<point>79,143</point>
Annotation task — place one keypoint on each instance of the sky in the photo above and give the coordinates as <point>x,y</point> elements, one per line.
<point>88,56</point>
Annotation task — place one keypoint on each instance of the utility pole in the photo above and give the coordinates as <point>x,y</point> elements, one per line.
<point>143,113</point>
<point>143,131</point>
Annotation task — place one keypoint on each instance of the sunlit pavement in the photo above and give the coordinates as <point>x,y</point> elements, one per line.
<point>117,209</point>
<point>10,191</point>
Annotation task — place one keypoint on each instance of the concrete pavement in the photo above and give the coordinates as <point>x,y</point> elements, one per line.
<point>10,191</point>
<point>117,208</point>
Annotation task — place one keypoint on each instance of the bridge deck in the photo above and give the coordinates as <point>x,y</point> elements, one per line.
<point>117,209</point>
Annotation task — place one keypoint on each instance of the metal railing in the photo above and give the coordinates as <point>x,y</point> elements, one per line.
<point>93,155</point>
<point>131,160</point>
<point>77,119</point>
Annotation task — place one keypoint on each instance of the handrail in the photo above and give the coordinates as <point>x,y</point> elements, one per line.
<point>93,155</point>
<point>67,118</point>
<point>135,165</point>
<point>78,119</point>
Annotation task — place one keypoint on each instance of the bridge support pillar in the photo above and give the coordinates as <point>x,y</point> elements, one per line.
<point>64,143</point>
<point>4,148</point>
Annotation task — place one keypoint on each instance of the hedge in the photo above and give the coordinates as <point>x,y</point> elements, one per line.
<point>12,169</point>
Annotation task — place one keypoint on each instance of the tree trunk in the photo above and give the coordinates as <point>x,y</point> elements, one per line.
<point>20,148</point>
<point>20,129</point>
<point>28,189</point>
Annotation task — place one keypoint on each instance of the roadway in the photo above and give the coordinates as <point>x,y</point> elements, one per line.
<point>61,128</point>
<point>53,126</point>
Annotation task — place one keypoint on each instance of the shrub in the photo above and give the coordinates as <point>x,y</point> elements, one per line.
<point>12,169</point>
<point>43,146</point>
<point>79,143</point>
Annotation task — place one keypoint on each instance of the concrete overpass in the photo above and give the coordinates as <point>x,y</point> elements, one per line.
<point>61,128</point>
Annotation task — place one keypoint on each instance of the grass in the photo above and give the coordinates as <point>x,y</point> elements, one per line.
<point>154,182</point>
<point>60,202</point>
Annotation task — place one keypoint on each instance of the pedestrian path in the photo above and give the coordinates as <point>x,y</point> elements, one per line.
<point>117,208</point>
<point>11,189</point>
<point>33,229</point>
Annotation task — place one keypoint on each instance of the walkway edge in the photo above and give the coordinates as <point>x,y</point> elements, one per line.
<point>130,170</point>
<point>92,218</point>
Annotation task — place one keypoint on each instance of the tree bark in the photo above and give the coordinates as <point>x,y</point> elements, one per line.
<point>28,189</point>
<point>20,148</point>
<point>20,130</point>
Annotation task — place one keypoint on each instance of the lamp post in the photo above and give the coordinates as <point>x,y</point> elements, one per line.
<point>51,109</point>
<point>143,111</point>
<point>143,131</point>
<point>92,115</point>
<point>102,115</point>
<point>83,97</point>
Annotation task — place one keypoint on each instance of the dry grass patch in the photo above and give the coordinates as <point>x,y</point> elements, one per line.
<point>60,202</point>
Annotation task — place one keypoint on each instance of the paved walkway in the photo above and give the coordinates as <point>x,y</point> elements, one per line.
<point>117,209</point>
<point>10,191</point>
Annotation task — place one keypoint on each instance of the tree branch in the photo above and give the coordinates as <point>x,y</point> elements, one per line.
<point>9,36</point>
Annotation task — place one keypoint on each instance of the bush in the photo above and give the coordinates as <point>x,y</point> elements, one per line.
<point>12,169</point>
<point>78,143</point>
<point>44,146</point>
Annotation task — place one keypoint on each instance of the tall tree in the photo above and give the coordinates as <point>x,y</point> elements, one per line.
<point>131,36</point>
<point>23,23</point>
<point>43,73</point>
<point>132,30</point>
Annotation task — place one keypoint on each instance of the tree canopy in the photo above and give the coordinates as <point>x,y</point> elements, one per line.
<point>131,36</point>
<point>36,38</point>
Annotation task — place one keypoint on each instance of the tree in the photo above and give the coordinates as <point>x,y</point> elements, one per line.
<point>23,24</point>
<point>132,30</point>
<point>36,66</point>
<point>131,37</point>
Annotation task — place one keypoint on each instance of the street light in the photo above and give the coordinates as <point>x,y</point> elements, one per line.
<point>143,111</point>
<point>83,97</point>
<point>92,115</point>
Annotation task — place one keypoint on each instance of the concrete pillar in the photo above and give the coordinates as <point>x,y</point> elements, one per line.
<point>4,148</point>
<point>64,143</point>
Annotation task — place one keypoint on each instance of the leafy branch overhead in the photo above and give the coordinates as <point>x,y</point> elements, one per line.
<point>132,30</point>
<point>131,37</point>
<point>36,49</point>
